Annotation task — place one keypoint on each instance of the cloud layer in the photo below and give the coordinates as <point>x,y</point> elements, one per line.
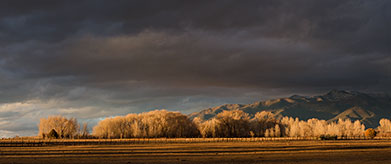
<point>101,58</point>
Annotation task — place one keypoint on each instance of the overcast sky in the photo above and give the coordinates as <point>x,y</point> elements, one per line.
<point>92,59</point>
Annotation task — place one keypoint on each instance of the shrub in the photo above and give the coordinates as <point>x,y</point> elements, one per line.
<point>371,133</point>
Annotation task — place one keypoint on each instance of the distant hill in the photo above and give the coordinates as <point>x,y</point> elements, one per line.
<point>368,108</point>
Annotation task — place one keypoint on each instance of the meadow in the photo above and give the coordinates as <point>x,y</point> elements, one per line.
<point>196,150</point>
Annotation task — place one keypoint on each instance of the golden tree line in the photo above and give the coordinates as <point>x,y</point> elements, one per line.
<point>234,123</point>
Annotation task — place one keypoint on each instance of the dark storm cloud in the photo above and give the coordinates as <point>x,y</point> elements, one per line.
<point>301,19</point>
<point>98,58</point>
<point>205,43</point>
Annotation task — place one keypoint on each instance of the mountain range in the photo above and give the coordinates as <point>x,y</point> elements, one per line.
<point>369,108</point>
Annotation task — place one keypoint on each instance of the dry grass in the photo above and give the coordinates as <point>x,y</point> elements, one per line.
<point>344,151</point>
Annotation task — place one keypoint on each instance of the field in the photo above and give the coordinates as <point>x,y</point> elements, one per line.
<point>195,151</point>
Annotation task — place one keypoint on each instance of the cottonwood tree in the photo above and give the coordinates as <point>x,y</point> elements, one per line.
<point>261,122</point>
<point>158,123</point>
<point>266,124</point>
<point>84,131</point>
<point>317,128</point>
<point>384,128</point>
<point>65,128</point>
<point>210,128</point>
<point>234,123</point>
